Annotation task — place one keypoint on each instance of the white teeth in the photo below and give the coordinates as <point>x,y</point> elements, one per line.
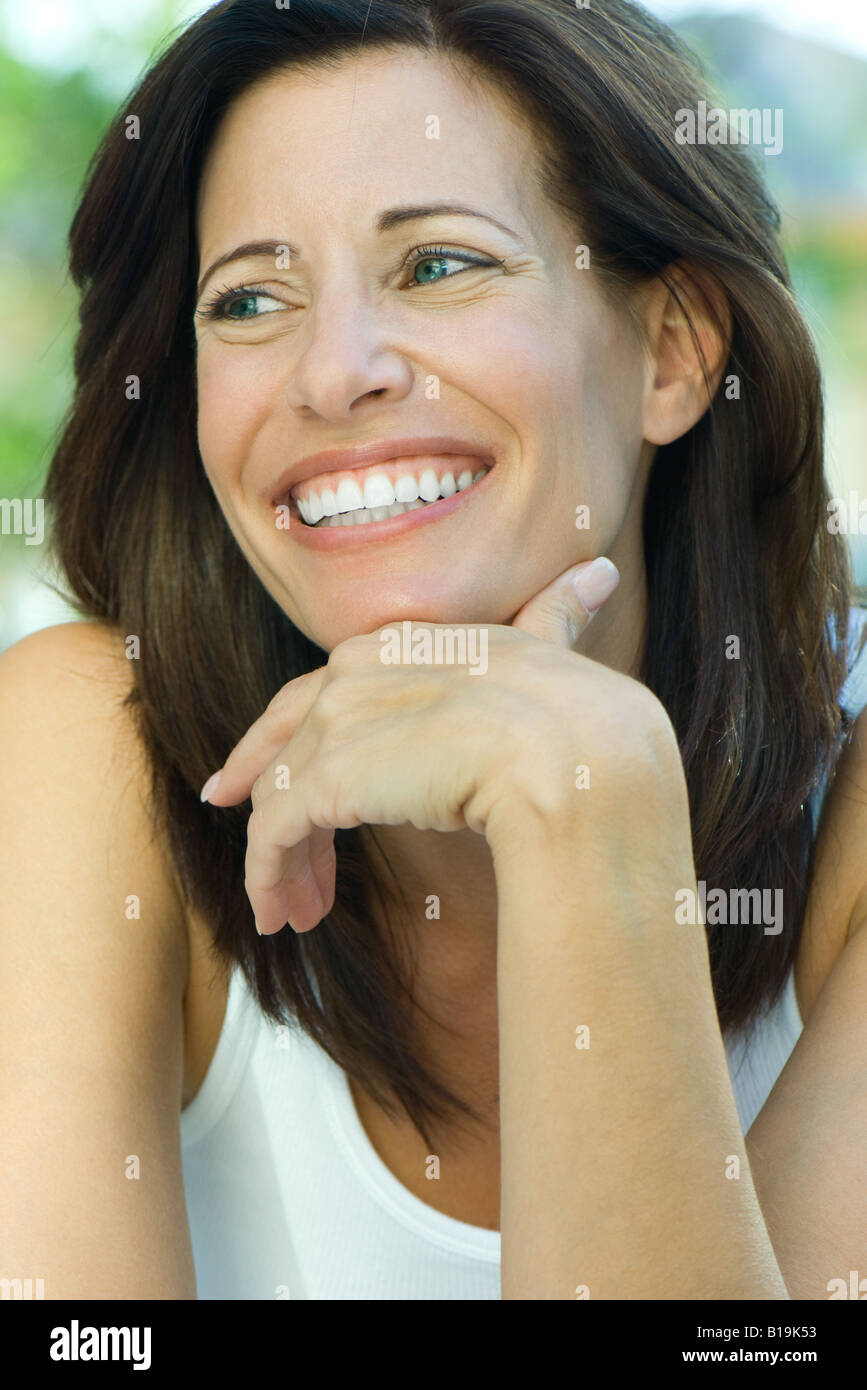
<point>310,509</point>
<point>379,500</point>
<point>406,489</point>
<point>448,487</point>
<point>429,485</point>
<point>363,517</point>
<point>378,491</point>
<point>349,496</point>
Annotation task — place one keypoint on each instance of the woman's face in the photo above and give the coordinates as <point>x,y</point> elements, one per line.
<point>499,347</point>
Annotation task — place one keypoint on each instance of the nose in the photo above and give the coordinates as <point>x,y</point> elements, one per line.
<point>346,360</point>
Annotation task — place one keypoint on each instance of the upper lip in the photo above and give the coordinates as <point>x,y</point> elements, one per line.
<point>364,455</point>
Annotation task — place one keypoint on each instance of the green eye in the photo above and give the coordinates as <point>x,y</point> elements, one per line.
<point>430,262</point>
<point>244,299</point>
<point>238,304</point>
<point>240,308</point>
<point>428,268</point>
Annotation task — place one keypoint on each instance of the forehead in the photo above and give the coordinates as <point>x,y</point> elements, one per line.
<point>392,127</point>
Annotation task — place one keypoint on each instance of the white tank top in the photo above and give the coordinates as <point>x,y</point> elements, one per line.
<point>286,1196</point>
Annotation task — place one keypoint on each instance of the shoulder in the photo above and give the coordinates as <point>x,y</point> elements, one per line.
<point>71,759</point>
<point>94,953</point>
<point>76,665</point>
<point>83,651</point>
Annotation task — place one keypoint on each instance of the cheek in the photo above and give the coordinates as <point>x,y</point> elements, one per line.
<point>515,360</point>
<point>568,378</point>
<point>593,393</point>
<point>232,400</point>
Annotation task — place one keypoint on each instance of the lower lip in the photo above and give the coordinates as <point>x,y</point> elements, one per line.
<point>368,533</point>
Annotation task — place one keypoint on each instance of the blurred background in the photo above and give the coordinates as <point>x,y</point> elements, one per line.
<point>66,65</point>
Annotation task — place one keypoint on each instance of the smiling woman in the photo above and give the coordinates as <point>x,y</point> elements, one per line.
<point>410,285</point>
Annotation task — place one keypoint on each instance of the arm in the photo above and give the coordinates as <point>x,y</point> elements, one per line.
<point>808,1146</point>
<point>91,1020</point>
<point>614,1155</point>
<point>618,1160</point>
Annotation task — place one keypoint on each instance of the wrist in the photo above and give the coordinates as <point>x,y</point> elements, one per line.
<point>629,786</point>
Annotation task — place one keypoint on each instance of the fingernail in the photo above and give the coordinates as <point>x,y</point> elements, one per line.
<point>210,786</point>
<point>596,583</point>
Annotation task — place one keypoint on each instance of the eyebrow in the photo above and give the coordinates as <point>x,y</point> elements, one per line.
<point>394,217</point>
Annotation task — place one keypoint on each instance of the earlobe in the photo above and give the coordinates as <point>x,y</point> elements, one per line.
<point>688,332</point>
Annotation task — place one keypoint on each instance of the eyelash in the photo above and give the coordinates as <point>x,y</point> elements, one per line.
<point>220,300</point>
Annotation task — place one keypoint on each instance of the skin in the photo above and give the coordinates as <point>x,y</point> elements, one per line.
<point>558,901</point>
<point>535,358</point>
<point>531,357</point>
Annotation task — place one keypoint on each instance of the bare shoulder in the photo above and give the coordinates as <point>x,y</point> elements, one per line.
<point>83,663</point>
<point>62,699</point>
<point>71,638</point>
<point>74,673</point>
<point>837,906</point>
<point>94,956</point>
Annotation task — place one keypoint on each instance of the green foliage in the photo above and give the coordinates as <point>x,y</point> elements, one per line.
<point>49,130</point>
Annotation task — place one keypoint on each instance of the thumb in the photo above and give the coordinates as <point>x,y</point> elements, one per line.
<point>561,612</point>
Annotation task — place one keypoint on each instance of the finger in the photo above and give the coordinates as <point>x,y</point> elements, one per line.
<point>290,865</point>
<point>561,612</point>
<point>282,887</point>
<point>323,860</point>
<point>317,864</point>
<point>263,741</point>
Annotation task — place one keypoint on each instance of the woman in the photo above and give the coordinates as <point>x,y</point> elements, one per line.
<point>442,271</point>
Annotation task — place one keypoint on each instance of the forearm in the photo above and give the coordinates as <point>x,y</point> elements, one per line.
<point>616,1153</point>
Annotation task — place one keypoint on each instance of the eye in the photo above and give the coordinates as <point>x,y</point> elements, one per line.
<point>238,303</point>
<point>243,298</point>
<point>432,259</point>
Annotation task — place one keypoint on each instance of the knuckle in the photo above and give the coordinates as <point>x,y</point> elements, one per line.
<point>654,739</point>
<point>662,738</point>
<point>258,792</point>
<point>347,653</point>
<point>331,705</point>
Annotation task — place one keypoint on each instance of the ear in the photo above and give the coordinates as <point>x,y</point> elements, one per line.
<point>688,332</point>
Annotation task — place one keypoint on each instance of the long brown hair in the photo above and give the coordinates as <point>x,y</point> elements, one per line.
<point>734,533</point>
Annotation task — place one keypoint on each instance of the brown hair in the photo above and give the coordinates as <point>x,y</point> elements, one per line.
<point>734,533</point>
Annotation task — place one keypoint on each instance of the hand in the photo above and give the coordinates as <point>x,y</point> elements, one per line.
<point>362,741</point>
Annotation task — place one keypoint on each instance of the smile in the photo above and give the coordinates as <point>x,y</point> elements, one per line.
<point>386,490</point>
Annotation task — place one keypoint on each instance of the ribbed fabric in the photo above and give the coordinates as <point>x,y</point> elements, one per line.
<point>286,1192</point>
<point>286,1196</point>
